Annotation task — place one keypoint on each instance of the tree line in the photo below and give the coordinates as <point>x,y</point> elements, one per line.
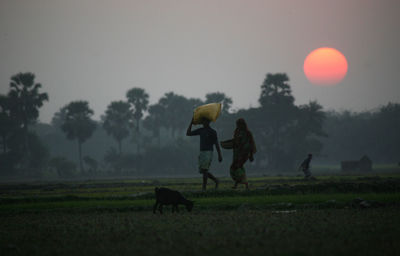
<point>136,138</point>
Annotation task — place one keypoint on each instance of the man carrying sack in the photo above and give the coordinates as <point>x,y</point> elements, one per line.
<point>208,138</point>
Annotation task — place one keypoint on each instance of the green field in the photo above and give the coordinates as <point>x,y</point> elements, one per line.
<point>335,215</point>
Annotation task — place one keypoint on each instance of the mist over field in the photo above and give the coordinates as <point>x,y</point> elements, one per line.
<point>138,139</point>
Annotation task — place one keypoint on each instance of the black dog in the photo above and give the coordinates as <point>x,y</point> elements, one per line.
<point>166,196</point>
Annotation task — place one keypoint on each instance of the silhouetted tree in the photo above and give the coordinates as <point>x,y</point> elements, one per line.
<point>78,124</point>
<point>222,98</point>
<point>58,118</point>
<point>117,121</point>
<point>347,135</point>
<point>226,121</point>
<point>25,101</point>
<point>92,164</point>
<point>311,119</point>
<point>187,107</point>
<point>178,110</point>
<point>63,167</point>
<point>373,133</point>
<point>8,124</point>
<point>303,136</point>
<point>154,120</point>
<point>277,105</point>
<point>139,100</point>
<point>275,91</point>
<point>171,103</point>
<point>38,153</point>
<point>387,122</point>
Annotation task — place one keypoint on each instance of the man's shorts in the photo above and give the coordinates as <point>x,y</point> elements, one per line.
<point>205,159</point>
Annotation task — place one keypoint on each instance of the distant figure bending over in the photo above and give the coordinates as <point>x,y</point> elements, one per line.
<point>208,138</point>
<point>305,167</point>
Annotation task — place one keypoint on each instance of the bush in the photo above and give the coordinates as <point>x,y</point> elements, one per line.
<point>64,167</point>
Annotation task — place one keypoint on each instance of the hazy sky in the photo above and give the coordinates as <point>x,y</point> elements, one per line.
<point>96,50</point>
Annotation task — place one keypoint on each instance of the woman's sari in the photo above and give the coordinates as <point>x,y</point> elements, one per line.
<point>243,148</point>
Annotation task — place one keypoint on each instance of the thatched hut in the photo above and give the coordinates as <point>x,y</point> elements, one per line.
<point>362,165</point>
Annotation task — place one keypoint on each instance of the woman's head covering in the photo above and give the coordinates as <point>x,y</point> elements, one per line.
<point>242,126</point>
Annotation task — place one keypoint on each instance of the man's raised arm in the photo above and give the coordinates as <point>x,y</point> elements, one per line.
<point>189,129</point>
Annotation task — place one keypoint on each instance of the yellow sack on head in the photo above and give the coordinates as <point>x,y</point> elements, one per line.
<point>209,111</point>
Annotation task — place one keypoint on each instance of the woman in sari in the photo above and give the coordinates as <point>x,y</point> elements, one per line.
<point>244,148</point>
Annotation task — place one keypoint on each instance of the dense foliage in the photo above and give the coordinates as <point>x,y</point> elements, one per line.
<point>153,136</point>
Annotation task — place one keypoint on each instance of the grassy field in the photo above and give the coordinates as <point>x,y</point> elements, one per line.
<point>335,215</point>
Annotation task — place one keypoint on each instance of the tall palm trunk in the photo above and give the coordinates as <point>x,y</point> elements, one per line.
<point>26,147</point>
<point>26,153</point>
<point>80,156</point>
<point>138,138</point>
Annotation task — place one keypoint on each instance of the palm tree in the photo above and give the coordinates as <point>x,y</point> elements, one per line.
<point>8,124</point>
<point>139,100</point>
<point>116,121</point>
<point>154,120</point>
<point>78,124</point>
<point>25,100</point>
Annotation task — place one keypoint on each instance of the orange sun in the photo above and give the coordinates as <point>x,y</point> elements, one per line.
<point>325,66</point>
